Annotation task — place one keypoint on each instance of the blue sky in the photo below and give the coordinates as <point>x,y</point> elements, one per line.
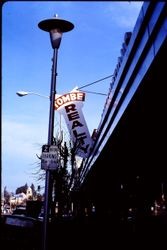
<point>87,53</point>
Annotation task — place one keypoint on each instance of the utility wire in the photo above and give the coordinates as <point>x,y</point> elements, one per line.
<point>91,92</point>
<point>94,82</point>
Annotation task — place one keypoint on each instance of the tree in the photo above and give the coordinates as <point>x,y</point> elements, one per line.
<point>34,193</point>
<point>6,196</point>
<point>65,176</point>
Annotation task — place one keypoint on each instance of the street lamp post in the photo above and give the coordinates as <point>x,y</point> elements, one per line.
<point>55,27</point>
<point>24,93</point>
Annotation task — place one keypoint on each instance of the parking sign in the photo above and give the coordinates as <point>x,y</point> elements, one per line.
<point>49,158</point>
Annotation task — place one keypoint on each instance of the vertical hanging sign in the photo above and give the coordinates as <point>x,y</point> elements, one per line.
<point>70,106</point>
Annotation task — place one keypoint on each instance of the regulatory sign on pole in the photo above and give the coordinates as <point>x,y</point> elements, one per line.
<point>49,158</point>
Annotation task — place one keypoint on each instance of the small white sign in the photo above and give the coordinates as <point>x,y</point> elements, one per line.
<point>49,158</point>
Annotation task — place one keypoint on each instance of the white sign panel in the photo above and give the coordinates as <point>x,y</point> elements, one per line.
<point>49,158</point>
<point>70,105</point>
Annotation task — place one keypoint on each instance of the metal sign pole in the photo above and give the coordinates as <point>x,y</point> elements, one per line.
<point>48,186</point>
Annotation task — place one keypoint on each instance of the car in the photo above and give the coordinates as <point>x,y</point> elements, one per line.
<point>20,210</point>
<point>19,220</point>
<point>17,230</point>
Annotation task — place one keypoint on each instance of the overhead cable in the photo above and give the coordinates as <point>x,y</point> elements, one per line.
<point>94,82</point>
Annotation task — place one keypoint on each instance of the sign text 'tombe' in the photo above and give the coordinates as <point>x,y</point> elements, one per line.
<point>70,97</point>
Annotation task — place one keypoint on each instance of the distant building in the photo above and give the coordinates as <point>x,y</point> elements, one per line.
<point>29,193</point>
<point>21,198</point>
<point>18,199</point>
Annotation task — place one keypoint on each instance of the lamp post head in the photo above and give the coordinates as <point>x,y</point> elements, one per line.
<point>55,27</point>
<point>21,93</point>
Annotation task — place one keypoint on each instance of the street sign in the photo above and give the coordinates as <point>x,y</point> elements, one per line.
<point>49,158</point>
